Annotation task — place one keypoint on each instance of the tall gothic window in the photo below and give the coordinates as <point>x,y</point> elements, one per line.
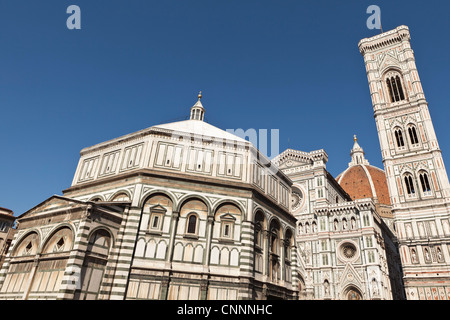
<point>399,138</point>
<point>409,185</point>
<point>424,182</point>
<point>413,135</point>
<point>394,85</point>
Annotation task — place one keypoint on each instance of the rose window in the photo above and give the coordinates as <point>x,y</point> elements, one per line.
<point>348,251</point>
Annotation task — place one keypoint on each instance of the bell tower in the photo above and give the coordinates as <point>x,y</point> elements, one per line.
<point>417,179</point>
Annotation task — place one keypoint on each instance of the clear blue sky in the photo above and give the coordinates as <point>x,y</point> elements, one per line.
<point>287,65</point>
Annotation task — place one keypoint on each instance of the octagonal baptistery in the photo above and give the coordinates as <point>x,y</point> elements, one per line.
<point>362,180</point>
<point>182,210</point>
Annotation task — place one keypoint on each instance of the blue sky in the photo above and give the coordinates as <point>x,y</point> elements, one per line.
<point>287,65</point>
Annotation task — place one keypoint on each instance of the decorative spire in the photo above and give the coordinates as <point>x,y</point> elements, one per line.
<point>197,110</point>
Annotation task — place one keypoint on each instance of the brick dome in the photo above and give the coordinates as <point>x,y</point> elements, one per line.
<point>361,180</point>
<point>365,181</point>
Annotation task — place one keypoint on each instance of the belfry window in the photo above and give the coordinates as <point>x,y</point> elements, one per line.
<point>409,185</point>
<point>395,88</point>
<point>399,138</point>
<point>413,135</point>
<point>424,182</point>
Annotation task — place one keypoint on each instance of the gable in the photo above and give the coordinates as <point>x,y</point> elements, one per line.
<point>350,277</point>
<point>289,159</point>
<point>389,61</point>
<point>54,203</point>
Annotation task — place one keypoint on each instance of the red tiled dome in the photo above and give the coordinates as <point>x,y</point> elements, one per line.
<point>365,181</point>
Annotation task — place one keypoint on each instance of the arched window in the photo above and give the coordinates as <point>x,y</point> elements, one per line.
<point>193,211</point>
<point>259,242</point>
<point>409,185</point>
<point>275,248</point>
<point>413,135</point>
<point>28,246</point>
<point>399,138</point>
<point>400,88</point>
<point>395,88</point>
<point>391,94</point>
<point>61,241</point>
<point>288,242</point>
<point>192,224</point>
<point>424,182</point>
<point>274,241</point>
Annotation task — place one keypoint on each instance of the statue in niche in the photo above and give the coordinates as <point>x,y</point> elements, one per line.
<point>353,221</point>
<point>375,287</point>
<point>439,254</point>
<point>427,254</point>
<point>326,287</point>
<point>414,256</point>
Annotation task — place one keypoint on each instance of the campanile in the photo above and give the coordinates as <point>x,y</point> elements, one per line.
<point>417,179</point>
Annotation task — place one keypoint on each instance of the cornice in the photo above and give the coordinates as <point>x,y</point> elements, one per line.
<point>384,40</point>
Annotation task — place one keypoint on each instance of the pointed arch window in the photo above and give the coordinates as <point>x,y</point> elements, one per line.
<point>259,242</point>
<point>399,88</point>
<point>424,182</point>
<point>395,88</point>
<point>274,242</point>
<point>413,135</point>
<point>399,138</point>
<point>409,185</point>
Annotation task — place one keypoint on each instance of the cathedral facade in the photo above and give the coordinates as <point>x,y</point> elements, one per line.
<point>186,210</point>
